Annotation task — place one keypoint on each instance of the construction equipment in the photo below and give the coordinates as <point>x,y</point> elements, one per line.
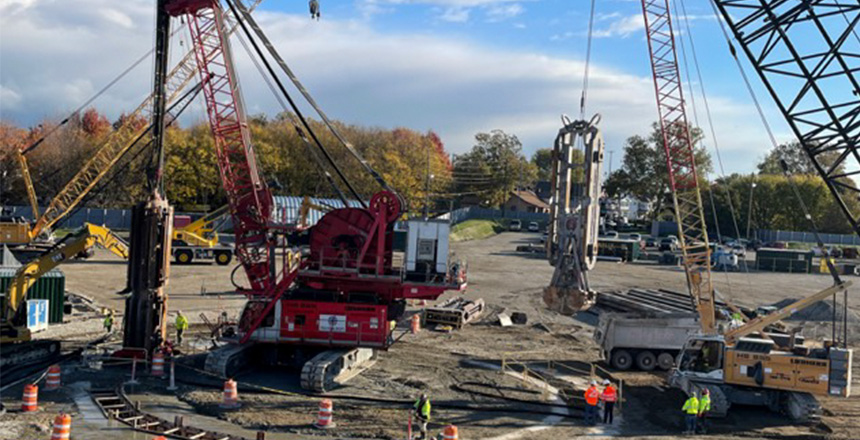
<point>128,134</point>
<point>574,214</point>
<point>13,329</point>
<point>735,368</point>
<point>335,305</point>
<point>455,312</point>
<point>199,240</point>
<point>145,323</point>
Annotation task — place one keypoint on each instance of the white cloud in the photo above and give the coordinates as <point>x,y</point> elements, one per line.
<point>455,11</point>
<point>622,27</point>
<point>455,15</point>
<point>360,75</point>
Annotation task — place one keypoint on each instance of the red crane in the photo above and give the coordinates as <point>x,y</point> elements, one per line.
<point>346,291</point>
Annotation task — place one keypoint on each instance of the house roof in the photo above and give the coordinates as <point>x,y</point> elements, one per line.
<point>530,198</point>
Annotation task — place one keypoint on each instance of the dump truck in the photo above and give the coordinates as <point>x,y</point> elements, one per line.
<point>653,340</point>
<point>646,341</point>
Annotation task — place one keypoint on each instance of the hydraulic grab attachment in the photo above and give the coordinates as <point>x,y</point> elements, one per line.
<point>574,215</point>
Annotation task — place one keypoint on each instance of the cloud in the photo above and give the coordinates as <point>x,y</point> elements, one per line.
<point>357,73</point>
<point>622,27</point>
<point>455,11</point>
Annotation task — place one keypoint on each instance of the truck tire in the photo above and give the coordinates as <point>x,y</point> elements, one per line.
<point>646,361</point>
<point>621,360</point>
<point>223,258</point>
<point>665,361</point>
<point>184,257</point>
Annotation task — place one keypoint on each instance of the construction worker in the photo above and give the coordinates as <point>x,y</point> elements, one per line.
<point>737,319</point>
<point>422,414</point>
<point>704,409</point>
<point>108,322</point>
<point>609,396</point>
<point>691,412</point>
<point>592,397</point>
<point>181,326</point>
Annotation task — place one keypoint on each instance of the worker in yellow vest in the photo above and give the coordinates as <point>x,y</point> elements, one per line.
<point>181,326</point>
<point>691,412</point>
<point>108,323</point>
<point>592,397</point>
<point>704,409</point>
<point>422,413</point>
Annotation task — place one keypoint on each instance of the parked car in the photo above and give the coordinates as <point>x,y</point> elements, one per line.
<point>611,234</point>
<point>669,243</point>
<point>534,227</point>
<point>634,236</point>
<point>651,242</point>
<point>515,225</point>
<point>544,236</point>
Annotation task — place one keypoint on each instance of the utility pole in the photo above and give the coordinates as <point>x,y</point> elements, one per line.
<point>427,187</point>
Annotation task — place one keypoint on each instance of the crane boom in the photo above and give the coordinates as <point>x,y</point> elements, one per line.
<point>118,143</point>
<point>247,194</point>
<point>680,160</point>
<point>805,54</point>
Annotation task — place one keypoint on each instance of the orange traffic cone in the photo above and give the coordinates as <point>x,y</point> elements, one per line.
<point>231,395</point>
<point>416,323</point>
<point>53,381</point>
<point>62,427</point>
<point>450,433</point>
<point>30,400</point>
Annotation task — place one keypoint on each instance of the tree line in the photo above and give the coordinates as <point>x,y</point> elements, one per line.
<point>764,199</point>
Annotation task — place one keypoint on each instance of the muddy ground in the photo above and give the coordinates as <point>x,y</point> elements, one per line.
<point>459,369</point>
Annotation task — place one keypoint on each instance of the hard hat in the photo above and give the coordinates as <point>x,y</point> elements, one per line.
<point>594,382</point>
<point>705,391</point>
<point>606,381</point>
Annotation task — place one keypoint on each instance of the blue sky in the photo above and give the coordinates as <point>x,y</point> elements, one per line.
<point>454,66</point>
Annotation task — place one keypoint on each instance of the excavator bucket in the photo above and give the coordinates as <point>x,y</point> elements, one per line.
<point>568,301</point>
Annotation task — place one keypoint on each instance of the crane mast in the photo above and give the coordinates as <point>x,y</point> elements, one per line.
<point>680,160</point>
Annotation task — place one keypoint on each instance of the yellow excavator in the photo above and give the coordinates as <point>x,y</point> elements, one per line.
<point>16,346</point>
<point>199,240</point>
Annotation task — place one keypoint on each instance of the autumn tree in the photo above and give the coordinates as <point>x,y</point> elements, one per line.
<point>643,173</point>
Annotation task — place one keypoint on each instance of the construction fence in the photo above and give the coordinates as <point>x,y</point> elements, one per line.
<point>768,235</point>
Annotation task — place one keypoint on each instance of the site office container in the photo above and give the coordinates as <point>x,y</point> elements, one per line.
<point>51,286</point>
<point>627,250</point>
<point>784,260</point>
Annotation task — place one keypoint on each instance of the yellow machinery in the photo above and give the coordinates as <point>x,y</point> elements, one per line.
<point>13,329</point>
<point>198,240</point>
<point>736,369</point>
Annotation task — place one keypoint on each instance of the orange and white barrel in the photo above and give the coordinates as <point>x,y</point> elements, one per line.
<point>160,437</point>
<point>231,394</point>
<point>157,364</point>
<point>325,415</point>
<point>30,399</point>
<point>62,427</point>
<point>52,382</point>
<point>450,433</point>
<point>416,323</point>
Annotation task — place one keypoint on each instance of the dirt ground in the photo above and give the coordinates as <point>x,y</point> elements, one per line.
<point>459,369</point>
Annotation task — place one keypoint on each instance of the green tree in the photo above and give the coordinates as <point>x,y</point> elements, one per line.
<point>643,173</point>
<point>542,160</point>
<point>493,168</point>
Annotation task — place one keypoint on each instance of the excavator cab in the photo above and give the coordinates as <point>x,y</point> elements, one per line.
<point>703,356</point>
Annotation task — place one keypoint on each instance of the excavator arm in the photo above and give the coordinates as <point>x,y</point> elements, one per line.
<point>201,231</point>
<point>72,245</point>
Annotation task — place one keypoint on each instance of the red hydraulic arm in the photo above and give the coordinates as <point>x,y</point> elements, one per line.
<point>247,194</point>
<point>680,159</point>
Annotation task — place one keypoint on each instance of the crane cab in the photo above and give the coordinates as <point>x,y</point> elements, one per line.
<point>703,357</point>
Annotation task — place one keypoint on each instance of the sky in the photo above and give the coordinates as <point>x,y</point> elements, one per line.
<point>457,67</point>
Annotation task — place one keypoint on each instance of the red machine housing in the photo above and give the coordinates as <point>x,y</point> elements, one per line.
<point>347,290</point>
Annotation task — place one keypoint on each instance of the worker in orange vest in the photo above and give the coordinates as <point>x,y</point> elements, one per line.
<point>609,396</point>
<point>592,397</point>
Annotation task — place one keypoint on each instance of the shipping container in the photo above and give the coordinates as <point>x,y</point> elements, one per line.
<point>627,250</point>
<point>51,286</point>
<point>784,260</point>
